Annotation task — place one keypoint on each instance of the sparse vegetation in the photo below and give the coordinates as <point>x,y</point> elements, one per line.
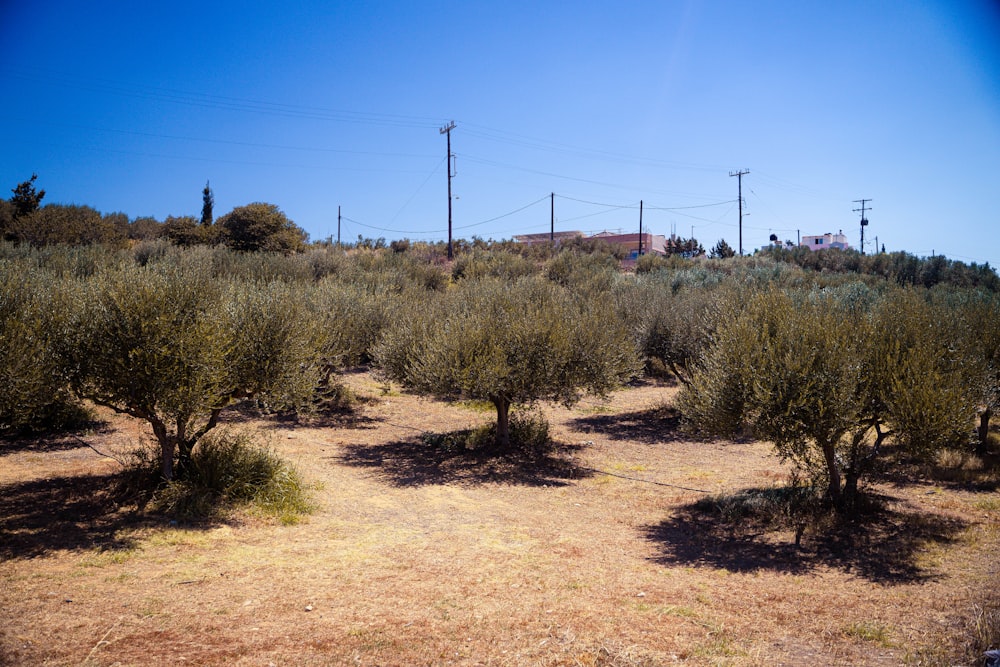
<point>228,470</point>
<point>871,391</point>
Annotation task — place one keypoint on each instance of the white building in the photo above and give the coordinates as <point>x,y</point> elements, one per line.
<point>826,241</point>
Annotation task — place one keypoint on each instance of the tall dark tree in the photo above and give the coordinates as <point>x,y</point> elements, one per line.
<point>722,250</point>
<point>207,204</point>
<point>26,199</point>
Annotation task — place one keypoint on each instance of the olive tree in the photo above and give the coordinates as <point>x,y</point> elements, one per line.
<point>973,317</point>
<point>828,378</point>
<point>174,346</point>
<point>260,226</point>
<point>35,391</point>
<point>508,343</point>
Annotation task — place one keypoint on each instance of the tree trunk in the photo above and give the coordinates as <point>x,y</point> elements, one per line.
<point>166,448</point>
<point>833,472</point>
<point>503,423</point>
<point>184,447</point>
<point>849,497</point>
<point>984,431</point>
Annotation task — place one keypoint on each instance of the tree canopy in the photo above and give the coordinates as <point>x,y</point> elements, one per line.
<point>26,198</point>
<point>172,345</point>
<point>509,343</point>
<point>261,226</point>
<point>828,377</point>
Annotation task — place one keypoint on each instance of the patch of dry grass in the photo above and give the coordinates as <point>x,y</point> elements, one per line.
<point>591,555</point>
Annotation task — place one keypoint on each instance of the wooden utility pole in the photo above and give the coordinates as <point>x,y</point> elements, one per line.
<point>739,177</point>
<point>864,220</point>
<point>338,224</point>
<point>552,217</point>
<point>447,130</point>
<point>640,229</point>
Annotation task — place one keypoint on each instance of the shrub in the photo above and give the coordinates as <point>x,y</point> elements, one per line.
<point>229,470</point>
<point>260,226</point>
<point>35,393</point>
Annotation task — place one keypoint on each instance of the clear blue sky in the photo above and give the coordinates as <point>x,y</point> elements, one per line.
<point>308,105</point>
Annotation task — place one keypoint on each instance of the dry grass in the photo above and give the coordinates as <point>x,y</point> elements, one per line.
<point>591,554</point>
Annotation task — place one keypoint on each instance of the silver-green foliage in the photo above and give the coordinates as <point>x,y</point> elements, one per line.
<point>828,376</point>
<point>172,345</point>
<point>509,343</point>
<point>34,392</point>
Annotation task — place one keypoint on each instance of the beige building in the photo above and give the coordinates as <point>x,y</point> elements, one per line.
<point>826,241</point>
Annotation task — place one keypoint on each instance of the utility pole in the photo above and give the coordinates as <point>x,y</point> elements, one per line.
<point>739,177</point>
<point>447,130</point>
<point>338,224</point>
<point>640,229</point>
<point>552,217</point>
<point>864,220</point>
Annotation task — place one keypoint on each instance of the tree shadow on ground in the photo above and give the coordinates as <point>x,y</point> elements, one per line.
<point>51,441</point>
<point>655,425</point>
<point>982,476</point>
<point>40,517</point>
<point>341,414</point>
<point>415,462</point>
<point>882,547</point>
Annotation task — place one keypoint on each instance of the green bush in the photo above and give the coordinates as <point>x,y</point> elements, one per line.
<point>529,433</point>
<point>229,470</point>
<point>35,392</point>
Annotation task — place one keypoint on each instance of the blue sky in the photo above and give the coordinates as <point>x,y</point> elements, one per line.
<point>314,105</point>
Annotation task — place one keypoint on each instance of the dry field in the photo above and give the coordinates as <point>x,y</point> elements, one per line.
<point>591,557</point>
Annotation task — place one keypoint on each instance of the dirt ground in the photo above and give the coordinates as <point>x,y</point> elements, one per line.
<point>591,557</point>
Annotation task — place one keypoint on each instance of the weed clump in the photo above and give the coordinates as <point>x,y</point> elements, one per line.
<point>228,470</point>
<point>529,435</point>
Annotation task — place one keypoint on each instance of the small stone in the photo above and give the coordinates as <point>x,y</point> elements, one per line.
<point>640,594</point>
<point>309,607</point>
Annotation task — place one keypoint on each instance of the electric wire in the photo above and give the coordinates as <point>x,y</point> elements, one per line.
<point>219,102</point>
<point>228,142</point>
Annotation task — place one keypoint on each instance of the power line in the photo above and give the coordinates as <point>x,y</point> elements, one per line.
<point>219,102</point>
<point>227,142</point>
<point>517,210</point>
<point>417,191</point>
<point>503,136</point>
<point>684,208</point>
<point>595,203</point>
<point>442,231</point>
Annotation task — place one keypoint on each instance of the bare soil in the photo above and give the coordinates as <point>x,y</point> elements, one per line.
<point>592,555</point>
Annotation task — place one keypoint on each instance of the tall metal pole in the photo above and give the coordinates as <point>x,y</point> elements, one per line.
<point>739,177</point>
<point>447,130</point>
